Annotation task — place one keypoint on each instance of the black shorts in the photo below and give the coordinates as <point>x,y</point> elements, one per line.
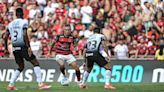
<point>97,58</point>
<point>22,54</point>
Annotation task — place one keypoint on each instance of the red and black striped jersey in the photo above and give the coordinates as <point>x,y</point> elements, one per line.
<point>64,44</point>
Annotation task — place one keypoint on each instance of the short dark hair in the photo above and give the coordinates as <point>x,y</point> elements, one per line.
<point>97,30</point>
<point>146,2</point>
<point>19,12</point>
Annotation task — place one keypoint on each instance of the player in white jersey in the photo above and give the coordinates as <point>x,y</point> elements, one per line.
<point>97,51</point>
<point>17,29</point>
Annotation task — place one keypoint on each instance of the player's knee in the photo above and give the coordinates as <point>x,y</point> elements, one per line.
<point>107,66</point>
<point>34,62</point>
<point>76,67</point>
<point>62,67</point>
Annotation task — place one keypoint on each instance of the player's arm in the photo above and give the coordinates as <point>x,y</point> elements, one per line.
<point>27,42</point>
<point>6,36</point>
<point>26,39</point>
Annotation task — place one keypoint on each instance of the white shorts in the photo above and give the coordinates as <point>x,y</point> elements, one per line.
<point>65,58</point>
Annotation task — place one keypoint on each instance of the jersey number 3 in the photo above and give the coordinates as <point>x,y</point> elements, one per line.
<point>92,44</point>
<point>15,35</point>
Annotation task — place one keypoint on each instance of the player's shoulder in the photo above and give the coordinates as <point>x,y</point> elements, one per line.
<point>10,24</point>
<point>24,21</point>
<point>100,35</point>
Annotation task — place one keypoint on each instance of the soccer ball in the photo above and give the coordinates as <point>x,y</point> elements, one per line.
<point>64,82</point>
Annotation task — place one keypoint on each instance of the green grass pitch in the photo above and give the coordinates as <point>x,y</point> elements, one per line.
<point>92,87</point>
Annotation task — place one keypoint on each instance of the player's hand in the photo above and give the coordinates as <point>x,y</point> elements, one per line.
<point>6,52</point>
<point>108,59</point>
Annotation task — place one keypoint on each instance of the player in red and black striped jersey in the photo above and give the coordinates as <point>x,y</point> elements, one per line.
<point>63,53</point>
<point>63,44</point>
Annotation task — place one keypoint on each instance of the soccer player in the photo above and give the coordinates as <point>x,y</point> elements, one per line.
<point>21,49</point>
<point>97,51</point>
<point>63,53</point>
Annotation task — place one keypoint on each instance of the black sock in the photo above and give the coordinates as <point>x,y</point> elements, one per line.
<point>62,69</point>
<point>78,75</point>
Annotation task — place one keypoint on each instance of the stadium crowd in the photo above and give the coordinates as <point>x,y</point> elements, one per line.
<point>132,27</point>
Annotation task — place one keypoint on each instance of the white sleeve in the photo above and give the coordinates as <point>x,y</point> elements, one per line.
<point>25,24</point>
<point>115,49</point>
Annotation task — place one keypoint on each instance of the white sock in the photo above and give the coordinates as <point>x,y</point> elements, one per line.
<point>85,76</point>
<point>14,77</point>
<point>108,76</point>
<point>38,74</point>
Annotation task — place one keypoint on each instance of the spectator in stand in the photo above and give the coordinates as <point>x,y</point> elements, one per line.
<point>159,5</point>
<point>112,44</point>
<point>159,22</point>
<point>152,32</point>
<point>41,33</point>
<point>142,49</point>
<point>73,9</point>
<point>152,49</point>
<point>107,31</point>
<point>35,46</point>
<point>34,11</point>
<point>41,4</point>
<point>159,55</point>
<point>48,9</point>
<point>54,4</point>
<point>86,12</point>
<point>121,50</point>
<point>147,15</point>
<point>132,49</point>
<point>45,48</point>
<point>2,48</point>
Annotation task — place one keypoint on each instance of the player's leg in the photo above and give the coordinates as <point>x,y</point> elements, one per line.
<point>72,62</point>
<point>38,74</point>
<point>20,62</point>
<point>60,61</point>
<point>37,69</point>
<point>101,61</point>
<point>89,65</point>
<point>75,66</point>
